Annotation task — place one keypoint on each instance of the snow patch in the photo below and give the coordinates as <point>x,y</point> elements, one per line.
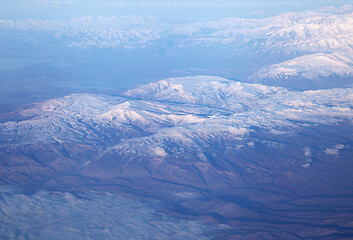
<point>307,152</point>
<point>332,151</point>
<point>336,150</point>
<point>306,165</point>
<point>159,152</point>
<point>340,146</point>
<point>237,131</point>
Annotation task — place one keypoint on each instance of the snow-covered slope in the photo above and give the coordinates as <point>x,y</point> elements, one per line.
<point>104,31</point>
<point>208,146</point>
<point>180,109</point>
<point>312,66</point>
<point>309,45</point>
<point>310,31</point>
<point>314,34</point>
<point>204,90</point>
<point>287,33</point>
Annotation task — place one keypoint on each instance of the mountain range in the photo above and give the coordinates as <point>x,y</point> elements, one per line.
<point>250,137</point>
<point>211,148</point>
<point>285,47</point>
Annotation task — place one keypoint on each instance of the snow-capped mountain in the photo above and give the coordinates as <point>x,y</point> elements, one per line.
<point>311,31</point>
<point>310,67</point>
<point>314,34</point>
<point>308,71</point>
<point>200,106</point>
<point>207,146</point>
<point>174,117</point>
<point>267,157</point>
<point>291,33</point>
<point>111,31</point>
<point>312,45</point>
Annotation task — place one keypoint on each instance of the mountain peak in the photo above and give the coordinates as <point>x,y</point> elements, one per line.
<point>205,90</point>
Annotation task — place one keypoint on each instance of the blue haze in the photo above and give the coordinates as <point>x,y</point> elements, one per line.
<point>35,65</point>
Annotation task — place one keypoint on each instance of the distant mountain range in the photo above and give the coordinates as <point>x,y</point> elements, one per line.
<point>310,31</point>
<point>311,45</point>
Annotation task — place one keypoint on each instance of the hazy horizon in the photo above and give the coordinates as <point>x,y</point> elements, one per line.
<point>169,11</point>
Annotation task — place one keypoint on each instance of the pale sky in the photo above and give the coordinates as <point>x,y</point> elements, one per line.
<point>183,10</point>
